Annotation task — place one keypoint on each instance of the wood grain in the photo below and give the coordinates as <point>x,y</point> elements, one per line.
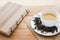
<point>23,32</point>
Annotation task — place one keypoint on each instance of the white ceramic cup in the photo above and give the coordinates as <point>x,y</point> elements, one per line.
<point>49,23</point>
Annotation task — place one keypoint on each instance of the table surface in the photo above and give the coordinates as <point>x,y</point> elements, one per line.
<point>22,32</point>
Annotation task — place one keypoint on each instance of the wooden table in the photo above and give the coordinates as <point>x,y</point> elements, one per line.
<point>22,32</point>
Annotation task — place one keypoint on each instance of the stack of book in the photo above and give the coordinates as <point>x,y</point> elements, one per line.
<point>10,16</point>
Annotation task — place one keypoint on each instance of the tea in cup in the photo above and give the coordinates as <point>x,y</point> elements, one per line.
<point>49,17</point>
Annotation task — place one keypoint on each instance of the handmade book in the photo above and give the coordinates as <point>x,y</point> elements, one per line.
<point>10,16</point>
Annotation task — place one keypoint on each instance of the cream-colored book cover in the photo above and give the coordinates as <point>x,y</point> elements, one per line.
<point>10,16</point>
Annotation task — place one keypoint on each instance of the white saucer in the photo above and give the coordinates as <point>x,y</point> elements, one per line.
<point>39,32</point>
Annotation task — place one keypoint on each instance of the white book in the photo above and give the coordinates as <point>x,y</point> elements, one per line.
<point>10,16</point>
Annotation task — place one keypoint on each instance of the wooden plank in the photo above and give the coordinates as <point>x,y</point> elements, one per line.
<point>36,9</point>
